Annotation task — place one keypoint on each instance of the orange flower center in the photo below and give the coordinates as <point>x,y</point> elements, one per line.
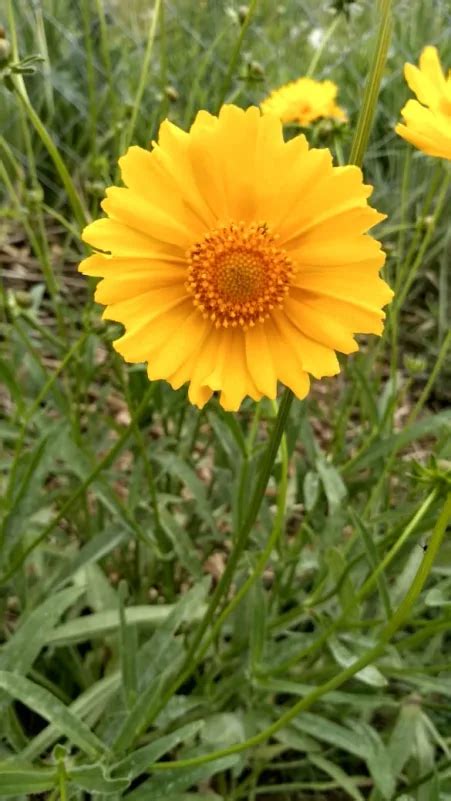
<point>237,275</point>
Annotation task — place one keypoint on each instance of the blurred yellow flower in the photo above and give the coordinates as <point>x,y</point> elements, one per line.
<point>304,101</point>
<point>428,122</point>
<point>234,259</point>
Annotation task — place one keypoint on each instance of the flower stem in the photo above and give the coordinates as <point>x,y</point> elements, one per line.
<point>323,45</point>
<point>235,53</point>
<point>365,119</point>
<point>21,93</point>
<point>194,655</point>
<point>264,556</point>
<point>243,535</point>
<point>143,78</point>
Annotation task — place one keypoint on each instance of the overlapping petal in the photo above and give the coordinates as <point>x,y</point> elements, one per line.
<point>427,123</point>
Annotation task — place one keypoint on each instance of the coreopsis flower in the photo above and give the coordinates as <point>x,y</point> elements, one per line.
<point>235,260</point>
<point>304,101</point>
<point>428,119</point>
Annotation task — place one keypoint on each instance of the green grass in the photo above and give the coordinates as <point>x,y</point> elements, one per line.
<point>325,672</point>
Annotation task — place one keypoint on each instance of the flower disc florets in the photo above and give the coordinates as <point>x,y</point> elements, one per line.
<point>237,275</point>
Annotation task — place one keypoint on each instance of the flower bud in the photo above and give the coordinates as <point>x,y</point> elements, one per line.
<point>23,299</point>
<point>243,11</point>
<point>414,364</point>
<point>256,70</point>
<point>34,197</point>
<point>5,50</point>
<point>171,93</point>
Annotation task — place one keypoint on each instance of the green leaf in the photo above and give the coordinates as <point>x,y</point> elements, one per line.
<point>432,425</point>
<point>128,647</point>
<point>165,785</point>
<point>140,760</point>
<point>346,591</point>
<point>228,434</point>
<point>52,709</point>
<point>22,649</point>
<point>176,466</point>
<point>401,743</point>
<point>94,550</point>
<point>333,484</point>
<point>311,488</point>
<point>339,736</point>
<point>15,780</point>
<point>98,625</point>
<point>368,675</point>
<point>378,761</point>
<point>24,646</point>
<point>90,703</point>
<point>182,544</point>
<point>8,380</point>
<point>159,670</point>
<point>95,779</point>
<point>437,597</point>
<point>336,773</point>
<point>223,730</point>
<point>257,604</point>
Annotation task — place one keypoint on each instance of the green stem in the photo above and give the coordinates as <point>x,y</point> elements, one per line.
<point>430,382</point>
<point>164,543</point>
<point>367,657</point>
<point>365,119</point>
<point>324,42</point>
<point>21,93</point>
<point>106,59</point>
<point>144,72</point>
<point>223,585</point>
<point>409,274</point>
<point>264,556</point>
<point>52,150</point>
<point>235,53</point>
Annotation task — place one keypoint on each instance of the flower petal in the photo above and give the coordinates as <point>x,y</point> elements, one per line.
<point>259,360</point>
<point>119,239</point>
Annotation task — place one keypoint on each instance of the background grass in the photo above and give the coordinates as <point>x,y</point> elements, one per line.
<point>120,501</point>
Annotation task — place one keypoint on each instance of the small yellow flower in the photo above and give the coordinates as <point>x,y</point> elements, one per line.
<point>235,260</point>
<point>428,119</point>
<point>304,101</point>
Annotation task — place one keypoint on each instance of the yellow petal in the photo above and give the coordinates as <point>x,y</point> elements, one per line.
<point>151,329</point>
<point>138,213</point>
<point>161,271</point>
<point>181,342</point>
<point>424,143</point>
<point>349,285</point>
<point>259,360</point>
<point>358,317</point>
<point>149,304</point>
<point>327,253</point>
<point>315,358</point>
<point>431,67</point>
<point>235,378</point>
<point>316,323</point>
<point>128,285</point>
<point>118,239</point>
<point>283,353</point>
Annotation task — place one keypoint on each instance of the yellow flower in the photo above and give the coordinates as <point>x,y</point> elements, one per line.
<point>428,122</point>
<point>303,101</point>
<point>236,260</point>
